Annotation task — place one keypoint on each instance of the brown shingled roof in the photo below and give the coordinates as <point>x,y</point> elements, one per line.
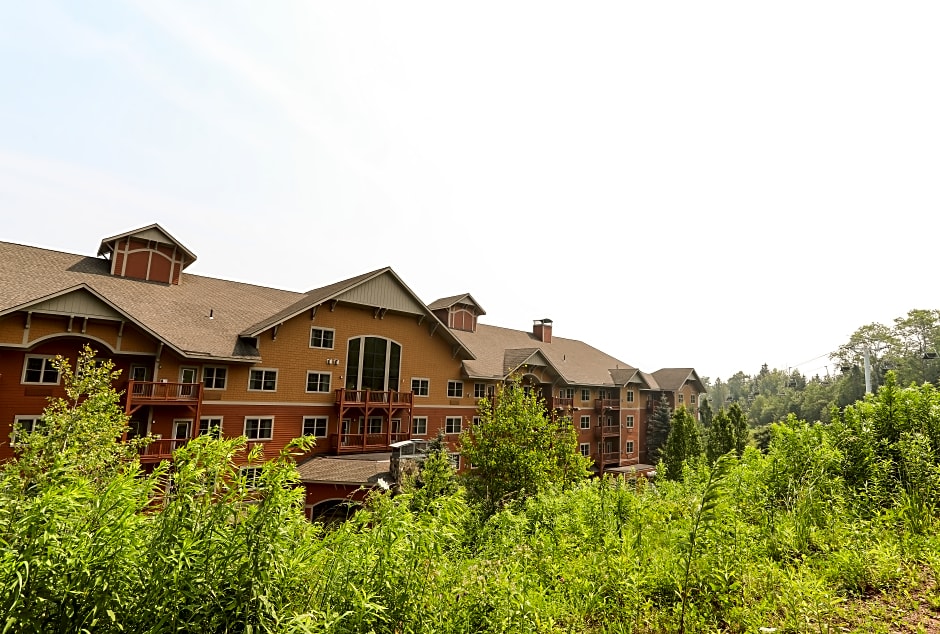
<point>672,379</point>
<point>345,470</point>
<point>463,298</point>
<point>576,362</point>
<point>178,315</point>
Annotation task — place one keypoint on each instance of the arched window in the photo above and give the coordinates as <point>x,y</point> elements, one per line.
<point>372,363</point>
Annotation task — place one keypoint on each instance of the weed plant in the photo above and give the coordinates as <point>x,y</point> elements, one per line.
<point>830,516</point>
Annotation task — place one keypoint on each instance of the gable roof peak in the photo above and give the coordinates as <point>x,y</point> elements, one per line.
<point>153,232</point>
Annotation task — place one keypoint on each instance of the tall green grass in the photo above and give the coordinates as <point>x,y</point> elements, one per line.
<point>829,515</point>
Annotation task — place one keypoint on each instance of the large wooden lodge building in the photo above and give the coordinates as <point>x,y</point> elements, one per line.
<point>360,364</point>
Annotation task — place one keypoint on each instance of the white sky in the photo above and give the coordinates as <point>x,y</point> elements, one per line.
<point>707,184</point>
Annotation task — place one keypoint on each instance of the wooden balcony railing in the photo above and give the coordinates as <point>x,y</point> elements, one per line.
<point>603,404</point>
<point>154,393</point>
<point>604,430</point>
<point>610,456</point>
<point>558,402</point>
<point>161,449</point>
<point>373,397</point>
<point>346,443</point>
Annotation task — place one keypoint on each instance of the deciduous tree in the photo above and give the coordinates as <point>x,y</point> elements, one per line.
<point>517,449</point>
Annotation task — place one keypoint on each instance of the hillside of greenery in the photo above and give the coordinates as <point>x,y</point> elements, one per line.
<point>910,347</point>
<point>832,529</point>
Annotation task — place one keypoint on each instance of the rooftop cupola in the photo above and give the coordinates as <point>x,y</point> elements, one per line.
<point>149,253</point>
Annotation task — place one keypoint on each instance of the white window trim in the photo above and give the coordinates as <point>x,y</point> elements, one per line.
<point>629,448</point>
<point>448,419</point>
<point>202,418</point>
<point>47,357</point>
<point>251,481</point>
<point>455,384</point>
<point>260,418</point>
<point>16,423</point>
<point>427,386</point>
<point>482,390</point>
<point>588,399</point>
<point>250,389</point>
<point>630,396</point>
<point>307,384</point>
<point>369,422</point>
<point>630,421</point>
<point>581,447</point>
<point>312,328</point>
<point>214,367</point>
<point>585,419</point>
<point>414,421</point>
<point>326,425</point>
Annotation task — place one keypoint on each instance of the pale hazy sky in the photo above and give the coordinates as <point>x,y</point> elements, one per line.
<point>707,184</point>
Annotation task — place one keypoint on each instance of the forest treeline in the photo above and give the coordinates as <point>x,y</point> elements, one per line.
<point>832,528</point>
<point>909,348</point>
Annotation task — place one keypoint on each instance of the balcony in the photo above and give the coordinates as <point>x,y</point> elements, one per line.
<point>609,457</point>
<point>151,393</point>
<point>161,449</point>
<point>604,430</point>
<point>373,398</point>
<point>162,393</point>
<point>558,402</point>
<point>606,404</point>
<point>363,443</point>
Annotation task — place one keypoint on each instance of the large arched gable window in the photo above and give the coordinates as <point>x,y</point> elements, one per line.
<point>372,363</point>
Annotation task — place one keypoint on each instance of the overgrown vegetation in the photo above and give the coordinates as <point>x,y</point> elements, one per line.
<point>834,528</point>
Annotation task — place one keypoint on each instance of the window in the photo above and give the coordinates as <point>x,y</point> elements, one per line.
<point>24,425</point>
<point>321,338</point>
<point>420,387</point>
<point>40,370</point>
<point>629,446</point>
<point>585,422</point>
<point>315,426</point>
<point>455,389</point>
<point>140,373</point>
<point>681,398</point>
<point>252,476</point>
<point>259,428</point>
<point>318,381</point>
<point>453,424</point>
<point>566,392</point>
<point>479,390</point>
<point>629,421</point>
<point>262,380</point>
<point>630,396</point>
<point>374,425</point>
<point>372,363</point>
<point>211,427</point>
<point>585,394</point>
<point>214,378</point>
<point>454,459</point>
<point>476,420</point>
<point>692,399</point>
<point>585,448</point>
<point>419,426</point>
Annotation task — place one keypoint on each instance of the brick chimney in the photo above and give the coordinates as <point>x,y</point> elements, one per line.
<point>542,329</point>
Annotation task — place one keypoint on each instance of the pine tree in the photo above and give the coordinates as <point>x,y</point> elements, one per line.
<point>684,443</point>
<point>657,430</point>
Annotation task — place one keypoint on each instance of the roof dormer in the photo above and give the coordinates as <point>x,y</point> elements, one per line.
<point>149,253</point>
<point>459,312</point>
